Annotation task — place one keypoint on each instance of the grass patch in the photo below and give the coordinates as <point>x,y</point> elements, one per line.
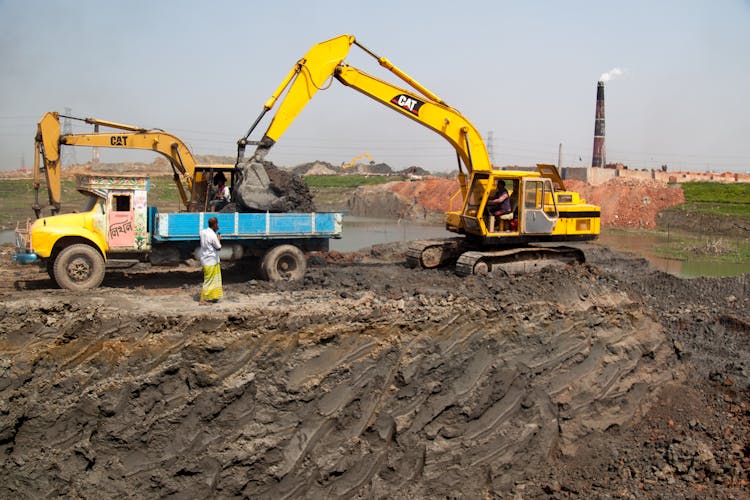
<point>716,198</point>
<point>346,181</point>
<point>17,196</point>
<point>702,248</point>
<point>164,194</point>
<point>679,245</point>
<point>716,192</point>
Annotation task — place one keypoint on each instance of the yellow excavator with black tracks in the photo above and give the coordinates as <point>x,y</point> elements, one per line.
<point>544,213</point>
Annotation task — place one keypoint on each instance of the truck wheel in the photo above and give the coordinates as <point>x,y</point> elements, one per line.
<point>50,265</point>
<point>284,263</point>
<point>79,267</point>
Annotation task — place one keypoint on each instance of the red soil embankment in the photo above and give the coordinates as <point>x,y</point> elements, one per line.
<point>623,202</point>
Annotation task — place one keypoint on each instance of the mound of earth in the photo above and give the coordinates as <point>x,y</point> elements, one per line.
<point>403,199</point>
<point>704,223</point>
<point>627,202</point>
<point>316,168</point>
<point>624,202</point>
<point>282,191</point>
<point>370,379</point>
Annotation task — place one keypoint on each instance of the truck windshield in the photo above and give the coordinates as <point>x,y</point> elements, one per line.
<point>89,202</point>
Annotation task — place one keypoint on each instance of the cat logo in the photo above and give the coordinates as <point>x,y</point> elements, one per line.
<point>407,103</point>
<point>118,140</point>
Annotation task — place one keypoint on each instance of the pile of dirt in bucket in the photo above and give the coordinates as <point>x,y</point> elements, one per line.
<point>261,186</point>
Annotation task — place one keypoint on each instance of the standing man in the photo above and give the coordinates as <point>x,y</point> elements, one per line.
<point>210,246</point>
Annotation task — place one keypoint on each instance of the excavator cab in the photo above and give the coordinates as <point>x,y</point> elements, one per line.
<point>478,215</point>
<point>204,188</point>
<point>533,208</point>
<point>540,213</point>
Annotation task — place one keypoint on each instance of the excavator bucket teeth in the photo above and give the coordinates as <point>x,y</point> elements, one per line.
<point>254,191</point>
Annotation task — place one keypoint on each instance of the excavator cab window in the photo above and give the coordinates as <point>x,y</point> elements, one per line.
<point>475,195</point>
<point>540,211</point>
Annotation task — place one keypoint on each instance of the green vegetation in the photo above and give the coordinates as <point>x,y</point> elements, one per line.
<point>679,245</point>
<point>689,247</point>
<point>164,195</point>
<point>717,192</point>
<point>17,196</point>
<point>716,198</point>
<point>346,181</point>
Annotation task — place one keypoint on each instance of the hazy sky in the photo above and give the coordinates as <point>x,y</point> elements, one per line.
<point>524,71</point>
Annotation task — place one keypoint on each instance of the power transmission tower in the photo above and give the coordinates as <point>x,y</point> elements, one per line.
<point>490,146</point>
<point>67,155</point>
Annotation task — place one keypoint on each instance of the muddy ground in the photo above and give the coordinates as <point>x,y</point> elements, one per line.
<point>372,380</point>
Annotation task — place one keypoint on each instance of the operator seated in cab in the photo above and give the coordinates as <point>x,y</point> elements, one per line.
<point>500,206</point>
<point>499,203</point>
<point>222,196</point>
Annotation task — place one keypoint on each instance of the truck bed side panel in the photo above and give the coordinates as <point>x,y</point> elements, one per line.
<point>239,226</point>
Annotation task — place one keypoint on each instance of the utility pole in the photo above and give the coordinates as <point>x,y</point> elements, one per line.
<point>559,158</point>
<point>95,152</point>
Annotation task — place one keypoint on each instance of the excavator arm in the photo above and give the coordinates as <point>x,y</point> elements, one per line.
<point>49,140</point>
<point>325,61</point>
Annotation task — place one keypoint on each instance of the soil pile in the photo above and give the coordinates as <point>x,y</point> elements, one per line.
<point>403,199</point>
<point>629,202</point>
<point>370,379</point>
<point>291,187</point>
<point>261,186</point>
<point>623,202</point>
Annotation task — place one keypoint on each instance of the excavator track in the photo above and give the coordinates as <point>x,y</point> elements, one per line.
<point>516,260</point>
<point>430,254</point>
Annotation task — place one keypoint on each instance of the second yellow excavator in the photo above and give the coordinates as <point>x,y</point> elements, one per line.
<point>192,179</point>
<point>354,160</point>
<point>543,211</point>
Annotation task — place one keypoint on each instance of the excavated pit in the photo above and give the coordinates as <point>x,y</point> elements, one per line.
<point>366,380</point>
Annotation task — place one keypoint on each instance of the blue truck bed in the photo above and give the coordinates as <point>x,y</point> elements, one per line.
<point>244,226</point>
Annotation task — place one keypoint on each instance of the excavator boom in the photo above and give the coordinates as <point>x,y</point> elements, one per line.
<point>49,140</point>
<point>324,61</point>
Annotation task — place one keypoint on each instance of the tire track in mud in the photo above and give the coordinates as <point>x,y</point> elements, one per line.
<point>370,395</point>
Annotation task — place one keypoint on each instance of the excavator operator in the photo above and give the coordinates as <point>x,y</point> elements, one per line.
<point>223,196</point>
<point>500,202</point>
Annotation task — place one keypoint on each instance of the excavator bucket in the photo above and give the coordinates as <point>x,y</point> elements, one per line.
<point>252,189</point>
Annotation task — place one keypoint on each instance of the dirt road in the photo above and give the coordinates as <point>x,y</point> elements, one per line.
<point>370,379</point>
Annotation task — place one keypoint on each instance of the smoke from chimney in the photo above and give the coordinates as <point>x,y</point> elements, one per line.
<point>610,74</point>
<point>598,158</point>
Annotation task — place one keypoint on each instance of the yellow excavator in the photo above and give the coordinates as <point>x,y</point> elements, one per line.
<point>517,241</point>
<point>193,180</point>
<point>354,160</point>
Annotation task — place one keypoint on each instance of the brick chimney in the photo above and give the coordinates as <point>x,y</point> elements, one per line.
<point>598,159</point>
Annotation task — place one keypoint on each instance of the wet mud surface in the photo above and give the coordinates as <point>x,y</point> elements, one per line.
<point>369,379</point>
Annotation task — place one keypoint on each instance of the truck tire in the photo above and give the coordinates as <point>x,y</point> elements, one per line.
<point>50,265</point>
<point>283,263</point>
<point>79,267</point>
